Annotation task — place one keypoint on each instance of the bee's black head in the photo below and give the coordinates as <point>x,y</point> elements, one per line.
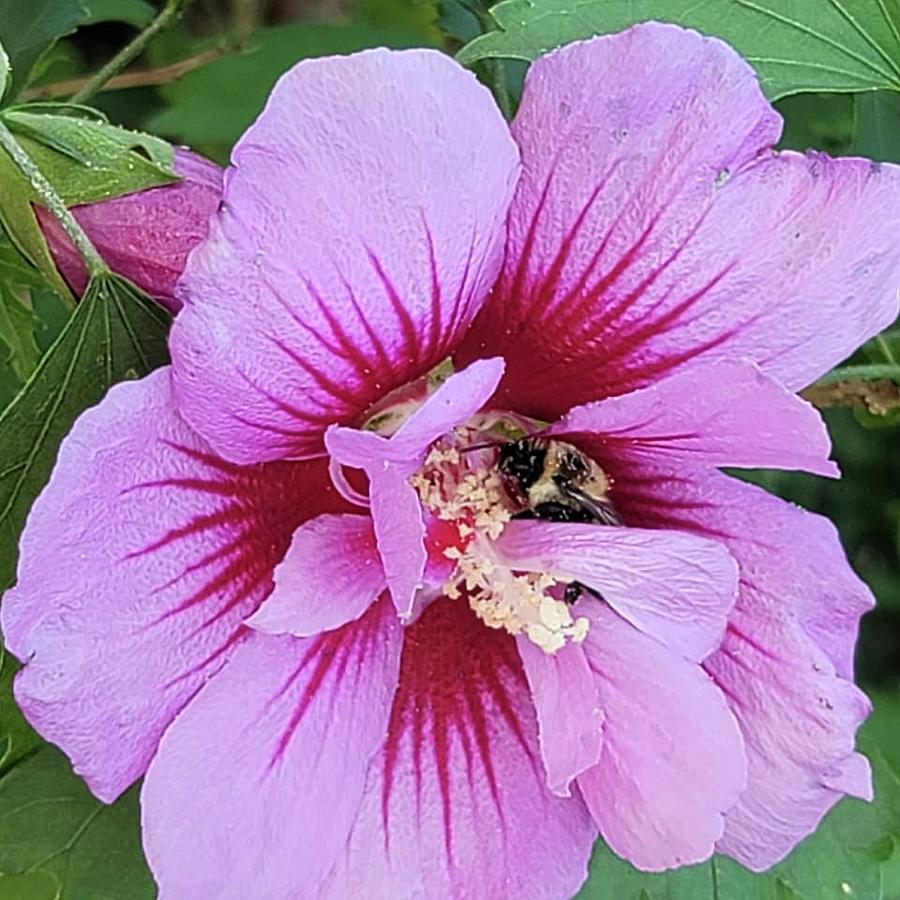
<point>522,462</point>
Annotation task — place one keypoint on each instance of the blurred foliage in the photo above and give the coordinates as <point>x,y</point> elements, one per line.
<point>240,82</point>
<point>28,30</point>
<point>201,83</point>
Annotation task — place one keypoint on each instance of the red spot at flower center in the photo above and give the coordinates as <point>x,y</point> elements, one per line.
<point>442,535</point>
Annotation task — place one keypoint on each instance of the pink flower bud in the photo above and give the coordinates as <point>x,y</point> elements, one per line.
<point>144,236</point>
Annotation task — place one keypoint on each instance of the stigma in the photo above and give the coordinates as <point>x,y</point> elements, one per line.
<point>459,484</point>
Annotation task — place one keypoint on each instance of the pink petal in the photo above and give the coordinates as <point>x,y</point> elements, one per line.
<point>400,535</point>
<point>645,234</point>
<point>330,575</point>
<point>673,760</point>
<point>616,171</point>
<point>570,720</point>
<point>389,463</point>
<point>257,784</point>
<point>677,588</point>
<point>722,413</point>
<point>457,804</point>
<point>139,562</point>
<point>458,398</point>
<point>799,722</point>
<point>363,225</point>
<point>786,661</point>
<point>144,236</point>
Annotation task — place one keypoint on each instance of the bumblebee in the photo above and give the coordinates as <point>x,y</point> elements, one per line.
<point>555,481</point>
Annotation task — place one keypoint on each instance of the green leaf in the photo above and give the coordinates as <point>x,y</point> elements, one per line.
<point>15,269</point>
<point>17,738</point>
<point>877,131</point>
<point>49,822</point>
<point>884,351</point>
<point>841,861</point>
<point>116,332</point>
<point>881,730</point>
<point>37,885</point>
<point>414,16</point>
<point>133,12</point>
<point>873,372</point>
<point>4,71</point>
<point>49,315</point>
<point>17,333</point>
<point>461,19</point>
<point>29,27</point>
<point>9,385</point>
<point>18,220</point>
<point>52,316</point>
<point>794,45</point>
<point>819,121</point>
<point>885,347</point>
<point>240,83</point>
<point>889,419</point>
<point>88,160</point>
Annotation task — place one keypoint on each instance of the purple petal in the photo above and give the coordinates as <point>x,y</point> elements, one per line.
<point>723,413</point>
<point>460,396</point>
<point>400,534</point>
<point>677,588</point>
<point>144,236</point>
<point>257,784</point>
<point>649,229</point>
<point>673,760</point>
<point>389,463</point>
<point>799,722</point>
<point>616,173</point>
<point>139,562</point>
<point>570,720</point>
<point>363,449</point>
<point>362,227</point>
<point>330,575</point>
<point>457,804</point>
<point>396,512</point>
<point>787,658</point>
<point>456,400</point>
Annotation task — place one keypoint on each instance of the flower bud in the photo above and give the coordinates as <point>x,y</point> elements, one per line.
<point>145,236</point>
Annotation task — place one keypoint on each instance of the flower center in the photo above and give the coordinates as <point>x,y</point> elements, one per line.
<point>460,484</point>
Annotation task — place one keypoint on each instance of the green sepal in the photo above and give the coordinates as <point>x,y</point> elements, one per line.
<point>87,160</point>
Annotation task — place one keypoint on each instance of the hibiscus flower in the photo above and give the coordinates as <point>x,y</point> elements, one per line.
<point>288,581</point>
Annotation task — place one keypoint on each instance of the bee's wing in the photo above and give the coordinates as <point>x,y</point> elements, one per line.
<point>602,510</point>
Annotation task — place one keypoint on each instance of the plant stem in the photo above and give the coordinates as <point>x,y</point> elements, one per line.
<point>245,17</point>
<point>140,78</point>
<point>868,372</point>
<point>49,198</point>
<point>885,350</point>
<point>169,13</point>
